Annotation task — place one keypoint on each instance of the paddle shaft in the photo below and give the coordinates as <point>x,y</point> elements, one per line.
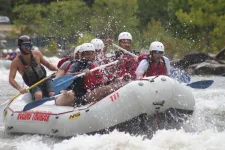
<point>97,68</point>
<point>125,51</point>
<point>39,82</point>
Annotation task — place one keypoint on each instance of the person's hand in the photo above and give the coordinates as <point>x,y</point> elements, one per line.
<point>127,77</point>
<point>111,69</point>
<point>108,42</point>
<point>54,74</point>
<point>64,92</point>
<point>87,72</point>
<point>23,91</point>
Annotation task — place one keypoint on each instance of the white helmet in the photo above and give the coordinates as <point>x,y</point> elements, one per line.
<point>87,47</point>
<point>5,51</point>
<point>156,46</point>
<point>98,44</point>
<point>35,48</point>
<point>10,51</point>
<point>77,49</point>
<point>17,50</point>
<point>125,36</point>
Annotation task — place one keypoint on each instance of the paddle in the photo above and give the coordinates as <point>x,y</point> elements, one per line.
<point>64,82</point>
<point>200,84</point>
<point>37,103</point>
<point>61,86</point>
<point>39,82</point>
<point>125,51</point>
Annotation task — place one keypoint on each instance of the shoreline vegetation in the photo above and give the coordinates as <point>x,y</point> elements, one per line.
<point>183,26</point>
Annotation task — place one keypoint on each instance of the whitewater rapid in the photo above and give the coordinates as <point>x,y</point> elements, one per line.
<point>203,131</point>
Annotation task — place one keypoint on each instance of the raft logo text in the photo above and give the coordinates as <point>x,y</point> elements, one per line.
<point>42,116</point>
<point>115,96</point>
<point>74,116</point>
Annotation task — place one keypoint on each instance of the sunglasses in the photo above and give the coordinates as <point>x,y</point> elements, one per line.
<point>158,52</point>
<point>98,50</point>
<point>23,46</point>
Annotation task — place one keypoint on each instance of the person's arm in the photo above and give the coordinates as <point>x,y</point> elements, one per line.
<point>108,42</point>
<point>46,63</point>
<point>60,73</point>
<point>12,75</point>
<point>61,70</point>
<point>73,70</point>
<point>141,69</point>
<point>7,57</point>
<point>167,63</point>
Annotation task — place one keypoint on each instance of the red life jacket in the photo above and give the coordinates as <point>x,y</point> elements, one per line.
<point>62,61</point>
<point>107,74</point>
<point>67,67</point>
<point>156,69</point>
<point>141,57</point>
<point>127,66</point>
<point>94,79</point>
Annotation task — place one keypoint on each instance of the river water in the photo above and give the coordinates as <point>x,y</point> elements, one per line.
<point>204,130</point>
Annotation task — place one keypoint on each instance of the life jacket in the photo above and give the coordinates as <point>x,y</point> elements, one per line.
<point>62,61</point>
<point>67,67</point>
<point>107,74</point>
<point>127,66</point>
<point>141,57</point>
<point>156,69</point>
<point>33,72</point>
<point>93,80</point>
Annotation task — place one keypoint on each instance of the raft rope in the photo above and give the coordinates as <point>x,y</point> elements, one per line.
<point>156,120</point>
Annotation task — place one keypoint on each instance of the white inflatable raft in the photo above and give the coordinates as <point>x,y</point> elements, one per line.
<point>155,94</point>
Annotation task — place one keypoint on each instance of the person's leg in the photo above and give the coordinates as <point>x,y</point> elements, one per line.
<point>36,93</point>
<point>48,88</point>
<point>60,73</point>
<point>101,92</point>
<point>67,99</point>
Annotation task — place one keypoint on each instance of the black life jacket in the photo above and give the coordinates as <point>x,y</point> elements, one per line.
<point>33,72</point>
<point>82,84</point>
<point>78,85</point>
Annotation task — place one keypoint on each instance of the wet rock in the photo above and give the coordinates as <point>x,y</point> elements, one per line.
<point>202,63</point>
<point>207,68</point>
<point>192,58</point>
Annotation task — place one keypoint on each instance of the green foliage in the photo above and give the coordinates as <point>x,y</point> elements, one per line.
<point>30,17</point>
<point>5,8</point>
<point>52,49</point>
<point>65,19</point>
<point>84,38</point>
<point>156,32</point>
<point>112,17</point>
<point>182,25</point>
<point>149,9</point>
<point>208,16</point>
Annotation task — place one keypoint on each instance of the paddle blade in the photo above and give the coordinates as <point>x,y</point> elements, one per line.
<point>62,83</point>
<point>61,79</point>
<point>37,103</point>
<point>201,84</point>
